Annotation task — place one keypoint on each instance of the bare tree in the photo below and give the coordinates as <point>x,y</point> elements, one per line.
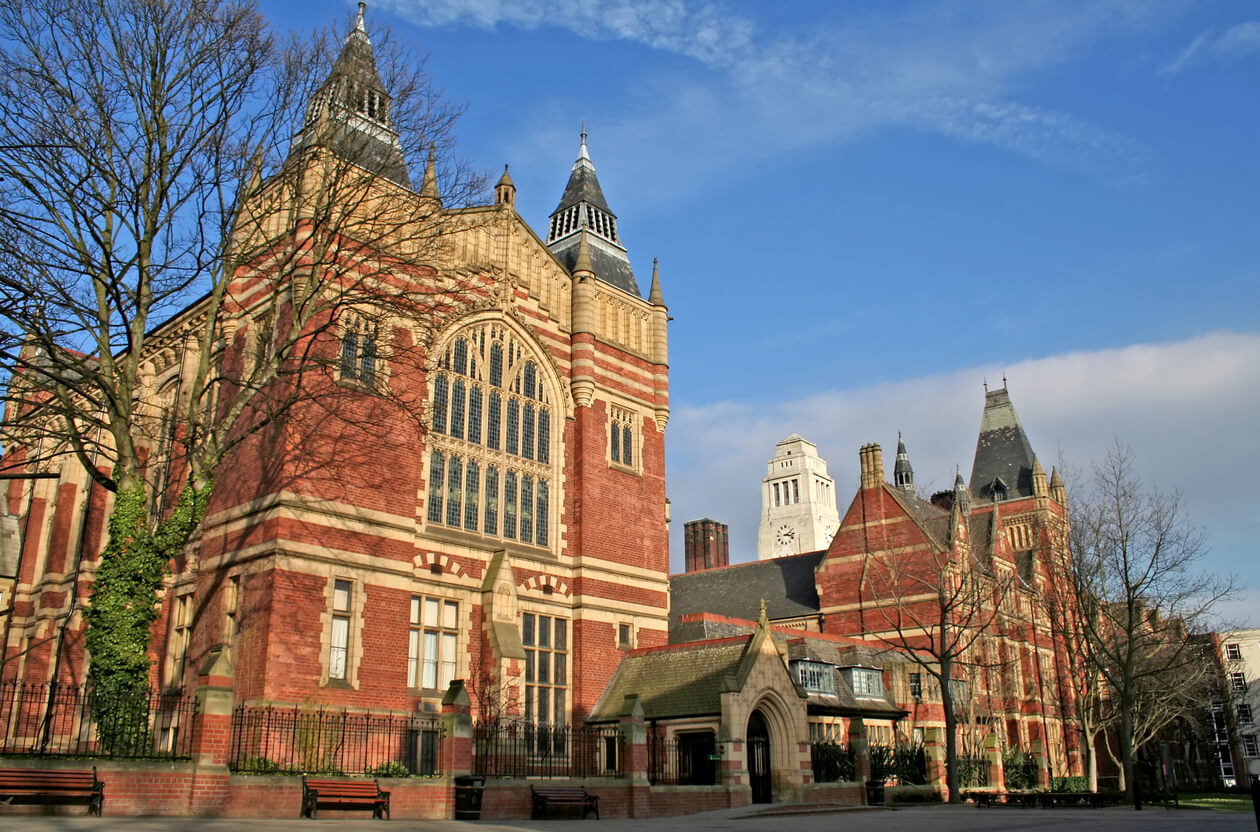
<point>1141,599</point>
<point>186,199</point>
<point>1083,681</point>
<point>936,606</point>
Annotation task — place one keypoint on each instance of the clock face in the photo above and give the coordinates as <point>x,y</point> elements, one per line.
<point>785,539</point>
<point>828,533</point>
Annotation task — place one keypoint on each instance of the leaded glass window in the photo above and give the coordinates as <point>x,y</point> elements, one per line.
<point>454,492</point>
<point>492,429</point>
<point>513,426</point>
<point>509,505</point>
<point>436,475</point>
<point>527,509</point>
<point>472,479</point>
<point>457,409</point>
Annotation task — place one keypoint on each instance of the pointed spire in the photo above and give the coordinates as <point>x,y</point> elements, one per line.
<point>762,618</point>
<point>1003,452</point>
<point>429,188</point>
<point>1058,492</point>
<point>505,190</point>
<point>583,153</point>
<point>583,208</point>
<point>583,262</point>
<point>1039,478</point>
<point>359,25</point>
<point>349,113</point>
<point>903,472</point>
<point>654,295</point>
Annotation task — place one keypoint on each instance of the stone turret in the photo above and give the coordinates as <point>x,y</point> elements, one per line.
<point>583,212</point>
<point>349,113</point>
<point>903,472</point>
<point>505,190</point>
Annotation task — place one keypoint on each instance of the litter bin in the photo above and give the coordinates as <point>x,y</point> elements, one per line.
<point>468,791</point>
<point>874,792</point>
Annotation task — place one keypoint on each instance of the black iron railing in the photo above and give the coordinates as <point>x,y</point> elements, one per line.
<point>832,762</point>
<point>506,748</point>
<point>268,740</point>
<point>70,720</point>
<point>684,759</point>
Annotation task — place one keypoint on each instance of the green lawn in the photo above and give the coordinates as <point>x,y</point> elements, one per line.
<point>1218,802</point>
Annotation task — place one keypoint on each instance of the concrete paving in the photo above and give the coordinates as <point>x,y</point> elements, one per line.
<point>748,819</point>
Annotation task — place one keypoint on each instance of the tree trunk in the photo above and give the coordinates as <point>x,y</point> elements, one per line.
<point>1091,760</point>
<point>1126,755</point>
<point>951,733</point>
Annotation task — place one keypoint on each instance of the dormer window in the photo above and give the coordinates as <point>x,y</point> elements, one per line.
<point>999,490</point>
<point>815,677</point>
<point>867,683</point>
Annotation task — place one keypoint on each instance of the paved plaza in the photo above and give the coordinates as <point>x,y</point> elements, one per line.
<point>749,819</point>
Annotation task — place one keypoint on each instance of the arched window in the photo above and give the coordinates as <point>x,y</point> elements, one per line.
<point>457,408</point>
<point>491,470</point>
<point>440,388</point>
<point>436,477</point>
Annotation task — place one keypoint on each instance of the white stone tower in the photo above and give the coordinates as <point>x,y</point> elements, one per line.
<point>798,501</point>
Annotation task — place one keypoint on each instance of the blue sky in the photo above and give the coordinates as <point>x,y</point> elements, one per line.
<point>864,209</point>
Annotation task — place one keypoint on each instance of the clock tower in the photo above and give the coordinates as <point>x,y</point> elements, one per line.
<point>798,501</point>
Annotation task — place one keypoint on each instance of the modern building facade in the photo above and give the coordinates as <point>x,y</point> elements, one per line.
<point>1235,731</point>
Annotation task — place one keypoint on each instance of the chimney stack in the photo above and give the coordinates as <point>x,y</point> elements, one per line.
<point>872,460</point>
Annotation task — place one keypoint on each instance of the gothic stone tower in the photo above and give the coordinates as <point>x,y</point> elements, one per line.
<point>504,523</point>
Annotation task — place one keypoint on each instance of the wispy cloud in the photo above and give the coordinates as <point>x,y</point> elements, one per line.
<point>946,68</point>
<point>1150,396</point>
<point>1235,42</point>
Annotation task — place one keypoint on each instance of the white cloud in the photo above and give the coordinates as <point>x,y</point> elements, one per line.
<point>1186,408</point>
<point>1239,40</point>
<point>777,89</point>
<point>1235,42</point>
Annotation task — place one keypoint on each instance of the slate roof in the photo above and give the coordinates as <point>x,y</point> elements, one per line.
<point>607,266</point>
<point>786,584</point>
<point>1002,450</point>
<point>379,154</point>
<point>844,701</point>
<point>583,186</point>
<point>674,681</point>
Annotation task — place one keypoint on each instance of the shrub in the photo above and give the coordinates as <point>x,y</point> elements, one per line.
<point>393,768</point>
<point>1020,769</point>
<point>881,762</point>
<point>909,764</point>
<point>1075,783</point>
<point>832,763</point>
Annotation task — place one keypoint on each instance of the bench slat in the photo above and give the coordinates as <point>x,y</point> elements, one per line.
<point>51,787</point>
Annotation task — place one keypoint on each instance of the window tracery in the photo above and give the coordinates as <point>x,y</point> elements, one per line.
<point>490,467</point>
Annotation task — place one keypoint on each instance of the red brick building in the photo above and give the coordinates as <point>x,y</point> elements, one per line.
<point>896,557</point>
<point>512,532</point>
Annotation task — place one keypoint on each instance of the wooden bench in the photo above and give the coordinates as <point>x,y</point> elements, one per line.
<point>575,796</point>
<point>343,794</point>
<point>52,787</point>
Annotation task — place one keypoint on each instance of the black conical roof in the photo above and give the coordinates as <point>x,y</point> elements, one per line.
<point>1002,451</point>
<point>583,187</point>
<point>331,120</point>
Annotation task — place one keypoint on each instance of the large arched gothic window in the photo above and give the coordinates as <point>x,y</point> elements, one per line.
<point>490,468</point>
